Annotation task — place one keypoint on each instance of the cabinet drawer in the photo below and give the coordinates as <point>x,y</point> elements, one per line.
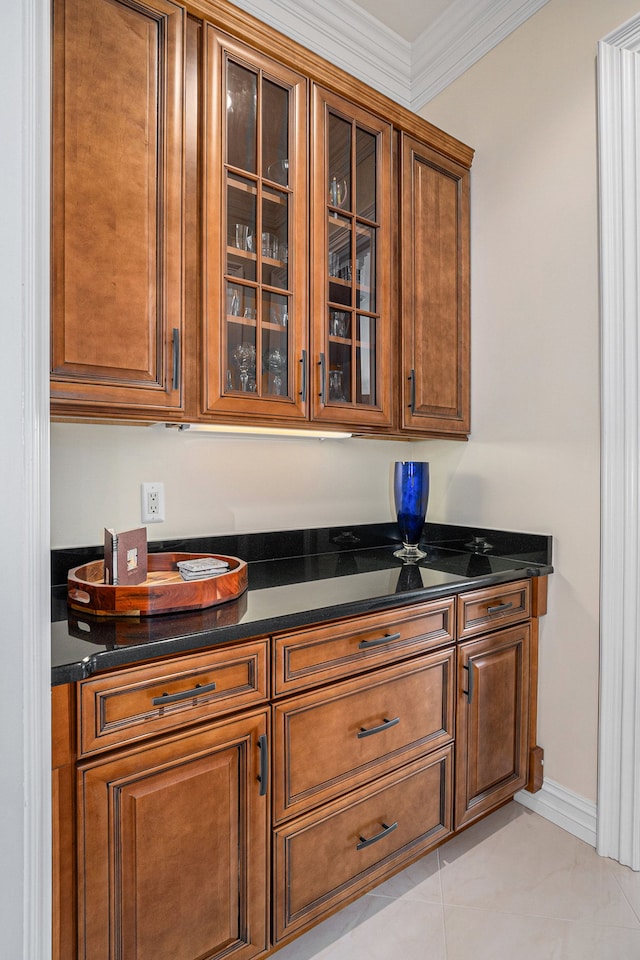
<point>326,858</point>
<point>142,701</point>
<point>329,741</point>
<point>484,610</point>
<point>331,652</point>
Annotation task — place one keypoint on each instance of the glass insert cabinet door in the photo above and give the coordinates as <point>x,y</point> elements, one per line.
<point>352,252</point>
<point>254,234</point>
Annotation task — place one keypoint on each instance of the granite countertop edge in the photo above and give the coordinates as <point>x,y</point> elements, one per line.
<point>511,551</point>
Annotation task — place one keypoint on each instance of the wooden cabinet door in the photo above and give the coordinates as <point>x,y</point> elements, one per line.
<point>492,727</point>
<point>173,847</point>
<point>351,251</point>
<point>255,234</point>
<point>63,839</point>
<point>434,296</point>
<point>117,313</point>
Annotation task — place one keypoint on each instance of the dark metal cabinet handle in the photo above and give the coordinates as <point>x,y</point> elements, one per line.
<point>389,638</point>
<point>500,608</point>
<point>382,726</point>
<point>197,691</point>
<point>412,396</point>
<point>263,776</point>
<point>176,359</point>
<point>323,376</point>
<point>384,833</point>
<point>303,388</point>
<point>469,691</point>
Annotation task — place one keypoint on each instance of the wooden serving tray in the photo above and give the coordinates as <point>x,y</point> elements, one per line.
<point>164,590</point>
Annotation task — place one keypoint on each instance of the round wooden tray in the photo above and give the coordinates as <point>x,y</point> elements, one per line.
<point>164,590</point>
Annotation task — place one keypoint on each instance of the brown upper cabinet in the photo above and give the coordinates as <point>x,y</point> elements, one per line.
<point>244,233</point>
<point>117,285</point>
<point>351,244</point>
<point>434,304</point>
<point>255,234</point>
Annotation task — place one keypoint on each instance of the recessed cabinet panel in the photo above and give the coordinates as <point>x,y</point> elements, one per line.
<point>173,848</point>
<point>255,246</point>
<point>117,204</point>
<point>434,309</point>
<point>492,726</point>
<point>351,236</point>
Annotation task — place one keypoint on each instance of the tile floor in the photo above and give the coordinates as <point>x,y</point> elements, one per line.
<point>512,887</point>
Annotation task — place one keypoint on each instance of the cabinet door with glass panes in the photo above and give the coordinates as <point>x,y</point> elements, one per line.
<point>254,234</point>
<point>351,263</point>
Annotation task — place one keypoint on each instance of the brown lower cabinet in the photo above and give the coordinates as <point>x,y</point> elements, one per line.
<point>493,721</point>
<point>311,766</point>
<point>173,847</point>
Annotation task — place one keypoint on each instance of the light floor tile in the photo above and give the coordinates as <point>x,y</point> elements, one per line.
<point>486,935</point>
<point>420,881</point>
<point>374,928</point>
<point>517,862</point>
<point>512,887</point>
<point>629,881</point>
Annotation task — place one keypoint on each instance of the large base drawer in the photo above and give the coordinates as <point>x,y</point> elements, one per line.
<point>324,859</point>
<point>327,742</point>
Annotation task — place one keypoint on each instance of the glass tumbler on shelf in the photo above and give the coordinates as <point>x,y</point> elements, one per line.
<point>411,494</point>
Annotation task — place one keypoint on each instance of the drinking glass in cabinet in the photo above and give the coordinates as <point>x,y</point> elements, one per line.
<point>244,358</point>
<point>335,386</point>
<point>339,161</point>
<point>275,365</point>
<point>338,323</point>
<point>233,300</point>
<point>337,192</point>
<point>275,309</point>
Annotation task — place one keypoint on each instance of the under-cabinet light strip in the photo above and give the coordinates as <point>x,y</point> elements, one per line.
<point>233,429</point>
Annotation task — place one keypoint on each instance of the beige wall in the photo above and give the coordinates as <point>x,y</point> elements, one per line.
<point>529,109</point>
<point>533,461</point>
<point>219,485</point>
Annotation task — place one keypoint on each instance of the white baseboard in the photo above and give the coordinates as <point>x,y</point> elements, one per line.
<point>564,808</point>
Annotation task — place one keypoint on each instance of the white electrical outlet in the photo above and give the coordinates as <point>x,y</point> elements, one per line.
<point>152,502</point>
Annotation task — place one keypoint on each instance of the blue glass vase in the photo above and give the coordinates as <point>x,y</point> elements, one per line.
<point>411,493</point>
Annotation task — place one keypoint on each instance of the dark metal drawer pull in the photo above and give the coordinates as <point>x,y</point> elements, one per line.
<point>303,388</point>
<point>263,776</point>
<point>469,691</point>
<point>175,376</point>
<point>500,608</point>
<point>364,644</point>
<point>323,377</point>
<point>378,729</point>
<point>197,691</point>
<point>384,833</point>
<point>412,399</point>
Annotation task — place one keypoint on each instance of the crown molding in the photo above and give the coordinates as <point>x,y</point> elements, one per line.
<point>408,73</point>
<point>347,36</point>
<point>465,32</point>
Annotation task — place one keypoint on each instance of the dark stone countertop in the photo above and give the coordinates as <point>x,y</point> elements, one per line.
<point>296,578</point>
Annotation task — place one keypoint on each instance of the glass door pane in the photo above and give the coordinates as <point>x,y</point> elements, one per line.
<point>352,229</point>
<point>256,343</point>
<point>242,128</point>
